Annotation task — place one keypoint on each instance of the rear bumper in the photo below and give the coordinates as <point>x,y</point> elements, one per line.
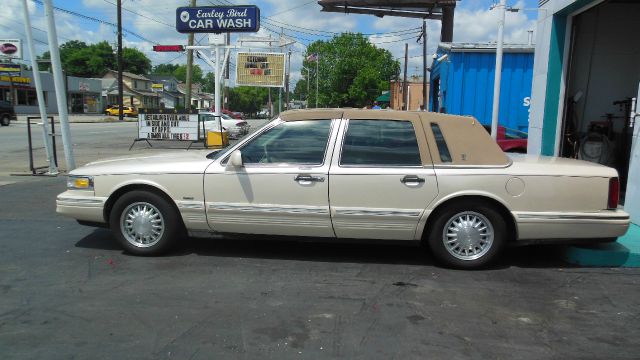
<point>82,208</point>
<point>574,225</point>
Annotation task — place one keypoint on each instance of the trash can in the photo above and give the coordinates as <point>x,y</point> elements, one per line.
<point>217,138</point>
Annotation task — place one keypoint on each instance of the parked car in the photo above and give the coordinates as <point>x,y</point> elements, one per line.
<point>430,178</point>
<point>236,128</point>
<point>510,140</point>
<point>233,114</point>
<point>7,113</point>
<point>128,111</point>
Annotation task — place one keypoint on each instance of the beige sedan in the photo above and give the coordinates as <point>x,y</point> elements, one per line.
<point>434,179</point>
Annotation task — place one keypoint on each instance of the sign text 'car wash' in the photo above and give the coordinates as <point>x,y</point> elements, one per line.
<point>215,19</point>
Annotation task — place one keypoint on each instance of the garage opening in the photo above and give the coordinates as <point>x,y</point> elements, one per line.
<point>603,75</point>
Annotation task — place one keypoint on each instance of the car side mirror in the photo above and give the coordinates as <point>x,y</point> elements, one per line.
<point>236,159</point>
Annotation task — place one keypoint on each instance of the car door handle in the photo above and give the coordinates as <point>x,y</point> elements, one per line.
<point>308,178</point>
<point>411,179</point>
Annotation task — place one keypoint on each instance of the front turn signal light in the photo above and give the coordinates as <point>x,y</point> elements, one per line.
<point>80,182</point>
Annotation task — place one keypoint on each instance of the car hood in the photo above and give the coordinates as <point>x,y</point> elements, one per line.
<point>556,166</point>
<point>176,162</point>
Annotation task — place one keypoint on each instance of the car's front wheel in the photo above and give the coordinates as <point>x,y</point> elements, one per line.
<point>467,235</point>
<point>4,120</point>
<point>145,223</point>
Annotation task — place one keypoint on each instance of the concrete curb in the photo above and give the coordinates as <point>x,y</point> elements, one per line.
<point>623,253</point>
<point>82,119</point>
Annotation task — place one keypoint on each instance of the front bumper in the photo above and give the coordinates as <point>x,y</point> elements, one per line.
<point>81,206</point>
<point>571,225</point>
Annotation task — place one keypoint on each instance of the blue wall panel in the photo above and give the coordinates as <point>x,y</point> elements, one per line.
<point>466,86</point>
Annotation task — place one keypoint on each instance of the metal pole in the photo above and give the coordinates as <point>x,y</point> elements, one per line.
<point>216,77</point>
<point>424,66</point>
<point>405,87</point>
<point>189,66</point>
<point>61,96</point>
<point>498,77</point>
<point>317,76</point>
<point>48,146</point>
<point>308,79</point>
<point>120,61</point>
<point>279,100</point>
<point>288,72</point>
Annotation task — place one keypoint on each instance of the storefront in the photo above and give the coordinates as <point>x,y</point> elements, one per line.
<point>84,95</point>
<point>21,91</point>
<point>586,72</point>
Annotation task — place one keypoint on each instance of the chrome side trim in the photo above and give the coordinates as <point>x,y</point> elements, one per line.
<point>81,201</point>
<point>440,166</point>
<point>321,210</point>
<point>380,212</point>
<point>192,205</point>
<point>601,216</point>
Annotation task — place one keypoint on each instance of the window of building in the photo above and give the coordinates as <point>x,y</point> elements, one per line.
<point>28,97</point>
<point>380,143</point>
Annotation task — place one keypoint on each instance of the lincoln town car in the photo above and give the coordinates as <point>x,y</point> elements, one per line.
<point>434,179</point>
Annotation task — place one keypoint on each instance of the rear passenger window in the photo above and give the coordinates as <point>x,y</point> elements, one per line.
<point>443,149</point>
<point>380,143</point>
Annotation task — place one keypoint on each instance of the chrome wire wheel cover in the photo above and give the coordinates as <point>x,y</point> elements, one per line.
<point>468,235</point>
<point>142,224</point>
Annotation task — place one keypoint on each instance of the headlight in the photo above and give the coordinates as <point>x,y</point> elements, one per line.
<point>80,182</point>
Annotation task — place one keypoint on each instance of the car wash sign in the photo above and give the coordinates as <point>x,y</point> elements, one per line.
<point>216,19</point>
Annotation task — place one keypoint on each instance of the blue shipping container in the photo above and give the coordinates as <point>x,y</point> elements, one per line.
<point>462,77</point>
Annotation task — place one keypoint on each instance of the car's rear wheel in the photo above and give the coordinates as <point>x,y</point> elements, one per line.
<point>4,120</point>
<point>467,235</point>
<point>145,223</point>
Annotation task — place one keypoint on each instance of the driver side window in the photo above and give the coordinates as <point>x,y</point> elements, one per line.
<point>301,142</point>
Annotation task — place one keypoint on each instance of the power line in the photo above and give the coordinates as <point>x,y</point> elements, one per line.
<point>86,17</point>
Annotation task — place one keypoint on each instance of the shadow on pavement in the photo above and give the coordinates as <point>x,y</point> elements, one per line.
<point>533,256</point>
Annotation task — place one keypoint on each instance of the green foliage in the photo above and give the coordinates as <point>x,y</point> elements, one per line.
<point>209,83</point>
<point>248,99</point>
<point>352,71</point>
<point>164,69</point>
<point>196,74</point>
<point>80,59</point>
<point>134,61</point>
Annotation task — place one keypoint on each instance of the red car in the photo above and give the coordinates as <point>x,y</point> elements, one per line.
<point>233,114</point>
<point>510,140</point>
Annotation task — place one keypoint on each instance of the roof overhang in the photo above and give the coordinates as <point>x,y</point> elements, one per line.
<point>423,9</point>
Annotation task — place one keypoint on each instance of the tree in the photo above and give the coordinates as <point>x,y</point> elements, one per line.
<point>80,59</point>
<point>248,99</point>
<point>352,71</point>
<point>196,73</point>
<point>164,69</point>
<point>135,61</point>
<point>209,83</point>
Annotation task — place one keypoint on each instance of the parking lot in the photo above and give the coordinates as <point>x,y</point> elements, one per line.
<point>68,291</point>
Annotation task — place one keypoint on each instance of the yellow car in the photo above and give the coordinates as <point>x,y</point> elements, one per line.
<point>126,111</point>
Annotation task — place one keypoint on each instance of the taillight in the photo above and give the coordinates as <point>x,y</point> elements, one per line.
<point>614,193</point>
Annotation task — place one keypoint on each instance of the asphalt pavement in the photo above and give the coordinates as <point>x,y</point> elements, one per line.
<point>68,291</point>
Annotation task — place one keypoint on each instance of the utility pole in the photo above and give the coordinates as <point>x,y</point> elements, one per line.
<point>287,87</point>
<point>405,87</point>
<point>424,65</point>
<point>498,76</point>
<point>61,96</point>
<point>48,144</point>
<point>317,76</point>
<point>308,79</point>
<point>187,101</point>
<point>120,90</point>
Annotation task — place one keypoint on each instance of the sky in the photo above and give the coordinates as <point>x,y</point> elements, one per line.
<point>153,21</point>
